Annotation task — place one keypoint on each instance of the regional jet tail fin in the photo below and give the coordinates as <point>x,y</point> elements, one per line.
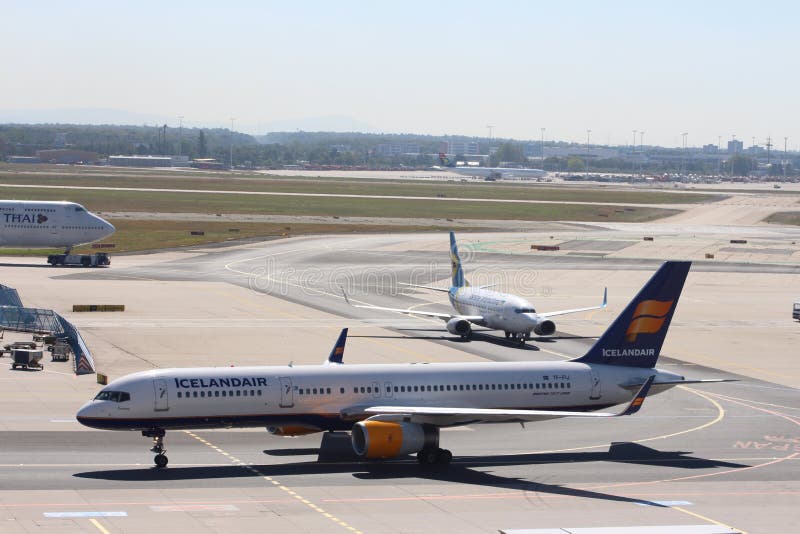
<point>445,161</point>
<point>635,337</point>
<point>457,272</point>
<point>336,356</point>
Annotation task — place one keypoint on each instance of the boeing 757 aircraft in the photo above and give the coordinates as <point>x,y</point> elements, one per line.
<point>46,224</point>
<point>393,410</point>
<point>478,305</point>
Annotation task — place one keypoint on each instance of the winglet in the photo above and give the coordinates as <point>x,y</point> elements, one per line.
<point>347,300</point>
<point>605,298</point>
<point>638,399</point>
<point>337,353</point>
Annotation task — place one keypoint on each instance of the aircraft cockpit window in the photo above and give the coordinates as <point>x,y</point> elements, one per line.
<point>79,208</point>
<point>524,310</point>
<point>113,396</point>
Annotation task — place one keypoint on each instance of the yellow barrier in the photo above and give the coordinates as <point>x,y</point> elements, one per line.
<point>98,307</point>
<point>102,379</point>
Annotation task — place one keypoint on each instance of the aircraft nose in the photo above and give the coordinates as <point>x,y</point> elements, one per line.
<point>108,228</point>
<point>86,412</point>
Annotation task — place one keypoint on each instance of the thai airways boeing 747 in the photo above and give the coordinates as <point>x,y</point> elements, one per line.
<point>393,410</point>
<point>45,224</point>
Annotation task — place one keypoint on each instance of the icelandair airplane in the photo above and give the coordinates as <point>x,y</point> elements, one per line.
<point>478,305</point>
<point>45,224</point>
<point>485,172</point>
<point>393,410</point>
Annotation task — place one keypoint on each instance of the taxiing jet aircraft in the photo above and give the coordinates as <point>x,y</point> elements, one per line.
<point>477,305</point>
<point>487,172</point>
<point>393,410</point>
<point>45,224</point>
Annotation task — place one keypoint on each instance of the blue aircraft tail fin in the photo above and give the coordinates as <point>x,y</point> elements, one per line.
<point>457,272</point>
<point>635,337</point>
<point>337,353</point>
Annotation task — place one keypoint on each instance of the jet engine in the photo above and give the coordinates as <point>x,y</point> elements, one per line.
<point>544,328</point>
<point>389,439</point>
<point>460,327</point>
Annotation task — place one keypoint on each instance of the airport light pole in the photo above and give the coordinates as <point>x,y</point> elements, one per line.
<point>685,157</point>
<point>543,129</point>
<point>633,155</point>
<point>641,149</point>
<point>180,133</point>
<point>588,133</point>
<point>785,157</point>
<point>231,143</point>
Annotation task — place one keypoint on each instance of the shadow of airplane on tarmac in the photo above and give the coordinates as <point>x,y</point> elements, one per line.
<point>464,470</point>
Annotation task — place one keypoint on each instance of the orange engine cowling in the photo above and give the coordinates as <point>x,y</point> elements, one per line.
<point>389,439</point>
<point>292,430</point>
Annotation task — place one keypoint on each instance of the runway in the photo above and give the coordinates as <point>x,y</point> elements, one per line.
<point>724,454</point>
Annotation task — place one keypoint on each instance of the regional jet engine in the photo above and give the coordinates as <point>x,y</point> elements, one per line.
<point>544,328</point>
<point>460,327</point>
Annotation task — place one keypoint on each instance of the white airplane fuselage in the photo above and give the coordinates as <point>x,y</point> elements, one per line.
<point>45,224</point>
<point>501,311</point>
<point>307,399</point>
<point>496,171</point>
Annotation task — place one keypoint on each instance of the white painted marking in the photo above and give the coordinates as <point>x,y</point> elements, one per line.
<point>663,529</point>
<point>86,514</point>
<point>195,508</point>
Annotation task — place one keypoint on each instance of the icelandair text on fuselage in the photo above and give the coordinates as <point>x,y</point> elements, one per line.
<point>626,353</point>
<point>220,382</point>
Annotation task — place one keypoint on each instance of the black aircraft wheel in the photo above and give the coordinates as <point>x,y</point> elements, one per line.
<point>443,456</point>
<point>427,456</point>
<point>161,460</point>
<point>508,335</point>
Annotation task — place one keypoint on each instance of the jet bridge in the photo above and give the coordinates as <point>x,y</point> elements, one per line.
<point>15,317</point>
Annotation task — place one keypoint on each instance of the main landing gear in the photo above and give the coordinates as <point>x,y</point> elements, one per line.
<point>157,434</point>
<point>520,337</point>
<point>434,456</point>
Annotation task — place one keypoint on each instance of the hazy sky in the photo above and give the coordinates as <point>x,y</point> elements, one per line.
<point>707,68</point>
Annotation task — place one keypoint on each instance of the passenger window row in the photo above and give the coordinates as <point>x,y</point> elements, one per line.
<point>465,387</point>
<point>314,391</point>
<point>220,393</point>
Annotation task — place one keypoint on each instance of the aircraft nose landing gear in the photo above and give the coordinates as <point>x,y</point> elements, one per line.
<point>157,434</point>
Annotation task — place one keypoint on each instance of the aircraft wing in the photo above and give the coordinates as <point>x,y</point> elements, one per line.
<point>443,316</point>
<point>432,288</point>
<point>576,310</point>
<point>445,416</point>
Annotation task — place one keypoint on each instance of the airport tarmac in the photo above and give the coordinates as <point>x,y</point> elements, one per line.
<point>723,454</point>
